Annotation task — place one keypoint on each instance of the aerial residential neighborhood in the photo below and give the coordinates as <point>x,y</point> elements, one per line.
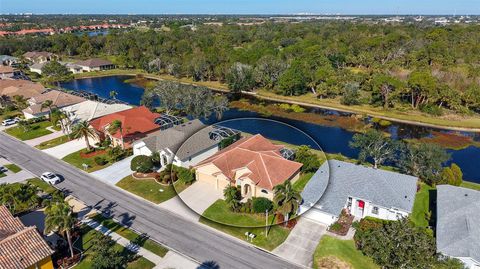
<point>149,134</point>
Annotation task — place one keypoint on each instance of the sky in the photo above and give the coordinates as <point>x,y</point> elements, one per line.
<point>357,7</point>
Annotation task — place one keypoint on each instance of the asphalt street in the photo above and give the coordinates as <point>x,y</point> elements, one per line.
<point>206,246</point>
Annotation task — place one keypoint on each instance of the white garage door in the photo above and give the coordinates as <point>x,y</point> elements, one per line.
<point>316,215</point>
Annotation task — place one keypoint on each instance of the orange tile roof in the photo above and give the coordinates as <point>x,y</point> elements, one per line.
<point>262,158</point>
<point>136,122</point>
<point>20,246</point>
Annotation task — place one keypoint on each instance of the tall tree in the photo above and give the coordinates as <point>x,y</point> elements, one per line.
<point>375,145</point>
<point>117,126</point>
<point>240,78</point>
<point>83,130</point>
<point>55,72</point>
<point>293,81</point>
<point>47,104</point>
<point>59,217</point>
<point>422,86</point>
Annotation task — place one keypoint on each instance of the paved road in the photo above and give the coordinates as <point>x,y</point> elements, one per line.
<point>198,242</point>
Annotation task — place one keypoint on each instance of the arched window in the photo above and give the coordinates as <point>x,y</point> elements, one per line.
<point>264,191</point>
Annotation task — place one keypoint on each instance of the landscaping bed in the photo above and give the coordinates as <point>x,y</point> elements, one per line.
<point>97,159</point>
<point>13,168</point>
<point>343,224</point>
<point>343,250</point>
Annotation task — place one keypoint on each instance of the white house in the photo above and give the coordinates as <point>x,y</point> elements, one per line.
<point>364,191</point>
<point>37,67</point>
<point>458,228</point>
<point>184,145</point>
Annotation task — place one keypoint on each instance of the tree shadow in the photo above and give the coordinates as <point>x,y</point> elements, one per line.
<point>432,202</point>
<point>209,265</point>
<point>126,219</point>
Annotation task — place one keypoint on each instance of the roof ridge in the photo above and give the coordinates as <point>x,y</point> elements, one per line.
<point>17,234</point>
<point>266,170</point>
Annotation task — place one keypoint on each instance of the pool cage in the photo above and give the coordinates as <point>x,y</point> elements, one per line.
<point>287,153</point>
<point>168,121</point>
<point>91,96</point>
<point>219,133</point>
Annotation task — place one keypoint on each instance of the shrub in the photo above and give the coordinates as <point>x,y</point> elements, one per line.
<point>431,109</point>
<point>100,160</point>
<point>116,154</point>
<point>142,164</point>
<point>261,204</point>
<point>309,160</point>
<point>185,175</point>
<point>335,227</point>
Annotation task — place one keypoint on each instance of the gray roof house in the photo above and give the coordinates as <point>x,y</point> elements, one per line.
<point>185,144</point>
<point>363,191</point>
<point>458,226</point>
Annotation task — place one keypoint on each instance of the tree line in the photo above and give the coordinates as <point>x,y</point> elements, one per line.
<point>427,68</point>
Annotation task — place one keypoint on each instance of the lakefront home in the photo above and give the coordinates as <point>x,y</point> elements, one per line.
<point>363,191</point>
<point>20,246</point>
<point>136,123</point>
<point>25,88</point>
<point>458,228</point>
<point>185,144</point>
<point>254,164</point>
<point>59,100</point>
<point>6,72</point>
<point>95,65</point>
<point>39,56</point>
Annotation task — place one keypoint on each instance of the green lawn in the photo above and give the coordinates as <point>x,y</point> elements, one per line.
<point>9,114</point>
<point>44,186</point>
<point>344,250</point>
<point>84,243</point>
<point>53,143</point>
<point>3,175</point>
<point>131,235</point>
<point>470,185</point>
<point>37,129</point>
<point>76,160</point>
<point>14,168</point>
<point>150,189</point>
<point>421,206</point>
<point>276,235</point>
<point>300,184</point>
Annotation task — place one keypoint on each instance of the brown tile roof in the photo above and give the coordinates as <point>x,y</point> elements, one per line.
<point>59,99</point>
<point>263,158</point>
<point>26,88</point>
<point>94,62</point>
<point>6,69</point>
<point>136,122</point>
<point>37,54</point>
<point>20,246</point>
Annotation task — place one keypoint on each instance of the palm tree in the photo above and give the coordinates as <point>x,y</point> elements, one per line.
<point>47,104</point>
<point>59,116</point>
<point>286,199</point>
<point>8,197</point>
<point>83,130</point>
<point>113,94</point>
<point>116,126</point>
<point>20,102</point>
<point>232,196</point>
<point>59,217</point>
<point>5,100</point>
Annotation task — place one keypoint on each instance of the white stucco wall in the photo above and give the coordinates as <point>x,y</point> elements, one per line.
<point>139,148</point>
<point>383,212</point>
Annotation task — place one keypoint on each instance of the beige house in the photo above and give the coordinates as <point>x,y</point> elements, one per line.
<point>95,65</point>
<point>59,100</point>
<point>6,72</point>
<point>254,164</point>
<point>39,56</point>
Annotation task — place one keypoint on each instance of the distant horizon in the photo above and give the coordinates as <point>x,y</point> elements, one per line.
<point>242,7</point>
<point>232,14</point>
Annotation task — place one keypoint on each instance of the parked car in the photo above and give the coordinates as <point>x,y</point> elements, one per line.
<point>3,169</point>
<point>9,122</point>
<point>50,178</point>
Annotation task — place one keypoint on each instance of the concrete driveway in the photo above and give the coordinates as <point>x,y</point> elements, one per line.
<point>67,148</point>
<point>115,172</point>
<point>200,196</point>
<point>302,242</point>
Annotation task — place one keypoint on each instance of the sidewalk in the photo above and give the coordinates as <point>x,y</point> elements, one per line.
<point>66,148</point>
<point>45,138</point>
<point>171,259</point>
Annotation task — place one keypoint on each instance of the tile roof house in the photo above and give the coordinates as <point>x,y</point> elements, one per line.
<point>21,247</point>
<point>458,228</point>
<point>136,122</point>
<point>95,65</point>
<point>364,191</point>
<point>6,72</point>
<point>254,163</point>
<point>25,88</point>
<point>59,100</point>
<point>183,145</point>
<point>39,56</point>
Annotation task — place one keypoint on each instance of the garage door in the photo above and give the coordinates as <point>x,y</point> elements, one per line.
<point>316,215</point>
<point>212,180</point>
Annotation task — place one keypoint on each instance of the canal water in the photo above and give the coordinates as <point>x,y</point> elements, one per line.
<point>331,139</point>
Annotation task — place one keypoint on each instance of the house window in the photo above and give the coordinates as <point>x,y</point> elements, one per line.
<point>264,191</point>
<point>375,210</point>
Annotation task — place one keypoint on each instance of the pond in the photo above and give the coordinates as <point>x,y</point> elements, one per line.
<point>332,139</point>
